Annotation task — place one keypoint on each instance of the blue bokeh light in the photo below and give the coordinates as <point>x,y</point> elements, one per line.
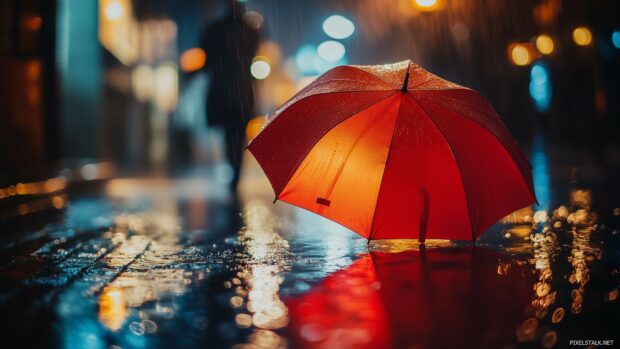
<point>540,87</point>
<point>310,63</point>
<point>305,59</point>
<point>615,38</point>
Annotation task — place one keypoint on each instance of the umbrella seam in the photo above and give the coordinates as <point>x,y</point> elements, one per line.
<point>374,215</point>
<point>471,224</point>
<point>302,99</point>
<point>319,83</point>
<point>493,115</point>
<point>485,129</point>
<point>294,169</point>
<point>521,155</point>
<point>277,193</point>
<point>368,127</point>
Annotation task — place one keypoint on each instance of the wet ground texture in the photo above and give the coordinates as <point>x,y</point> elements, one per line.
<point>134,263</point>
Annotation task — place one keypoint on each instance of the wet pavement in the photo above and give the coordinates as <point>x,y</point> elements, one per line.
<point>135,263</point>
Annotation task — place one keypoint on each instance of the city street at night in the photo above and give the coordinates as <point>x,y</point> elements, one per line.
<point>261,174</point>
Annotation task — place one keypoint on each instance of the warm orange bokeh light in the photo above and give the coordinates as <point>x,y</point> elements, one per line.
<point>32,22</point>
<point>582,36</point>
<point>544,44</point>
<point>519,54</point>
<point>193,59</point>
<point>116,28</point>
<point>112,308</point>
<point>427,5</point>
<point>254,127</point>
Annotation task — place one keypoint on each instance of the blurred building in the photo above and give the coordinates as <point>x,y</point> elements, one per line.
<point>121,80</point>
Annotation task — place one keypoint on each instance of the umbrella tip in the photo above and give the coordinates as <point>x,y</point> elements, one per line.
<point>404,88</point>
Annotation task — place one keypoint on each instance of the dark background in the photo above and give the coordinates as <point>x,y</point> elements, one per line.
<point>68,96</point>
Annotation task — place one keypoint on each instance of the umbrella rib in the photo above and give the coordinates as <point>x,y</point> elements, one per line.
<point>525,182</point>
<point>514,144</point>
<point>294,169</point>
<point>341,167</point>
<point>458,167</point>
<point>368,127</point>
<point>291,101</point>
<point>496,121</point>
<point>285,106</point>
<point>374,215</point>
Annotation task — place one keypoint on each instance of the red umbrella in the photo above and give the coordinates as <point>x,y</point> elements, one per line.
<point>393,151</point>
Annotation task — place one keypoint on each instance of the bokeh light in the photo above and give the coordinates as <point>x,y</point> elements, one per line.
<point>260,68</point>
<point>254,126</point>
<point>166,89</point>
<point>615,38</point>
<point>338,27</point>
<point>142,81</point>
<point>331,50</point>
<point>305,58</point>
<point>193,59</point>
<point>253,19</point>
<point>117,29</point>
<point>582,36</point>
<point>114,10</point>
<point>426,5</point>
<point>519,54</point>
<point>32,22</point>
<point>112,308</point>
<point>540,87</point>
<point>460,32</point>
<point>544,44</point>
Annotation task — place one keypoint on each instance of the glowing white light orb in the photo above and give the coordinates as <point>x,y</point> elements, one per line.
<point>114,10</point>
<point>331,51</point>
<point>260,69</point>
<point>338,27</point>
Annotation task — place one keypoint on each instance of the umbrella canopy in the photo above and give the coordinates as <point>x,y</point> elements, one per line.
<point>393,151</point>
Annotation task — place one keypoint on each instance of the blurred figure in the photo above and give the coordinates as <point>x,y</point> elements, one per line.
<point>230,44</point>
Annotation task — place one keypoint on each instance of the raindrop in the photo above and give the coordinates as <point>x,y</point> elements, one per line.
<point>137,328</point>
<point>149,326</point>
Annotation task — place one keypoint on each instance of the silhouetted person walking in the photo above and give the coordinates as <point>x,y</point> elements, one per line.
<point>230,44</point>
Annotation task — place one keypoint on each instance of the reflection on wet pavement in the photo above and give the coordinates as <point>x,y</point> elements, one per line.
<point>176,268</point>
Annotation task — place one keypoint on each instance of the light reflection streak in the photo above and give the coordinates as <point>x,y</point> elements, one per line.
<point>577,223</point>
<point>402,245</point>
<point>540,172</point>
<point>258,283</point>
<point>149,242</point>
<point>544,245</point>
<point>112,308</point>
<point>583,252</point>
<point>49,186</point>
